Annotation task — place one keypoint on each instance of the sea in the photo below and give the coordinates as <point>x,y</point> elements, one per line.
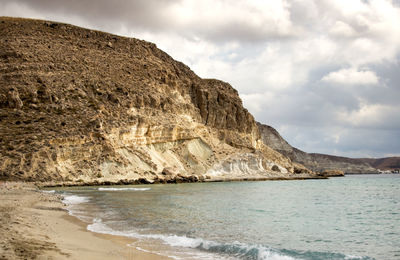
<point>351,217</point>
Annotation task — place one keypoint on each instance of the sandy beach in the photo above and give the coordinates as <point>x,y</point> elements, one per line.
<point>36,225</point>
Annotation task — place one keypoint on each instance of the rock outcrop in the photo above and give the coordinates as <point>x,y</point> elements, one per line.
<point>329,165</point>
<point>333,173</point>
<point>83,106</point>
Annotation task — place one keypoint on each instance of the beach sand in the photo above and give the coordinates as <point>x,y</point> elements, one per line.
<point>36,225</point>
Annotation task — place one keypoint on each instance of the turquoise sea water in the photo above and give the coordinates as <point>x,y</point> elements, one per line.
<point>354,217</point>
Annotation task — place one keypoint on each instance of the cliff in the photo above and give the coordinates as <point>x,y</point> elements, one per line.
<point>314,161</point>
<point>78,105</point>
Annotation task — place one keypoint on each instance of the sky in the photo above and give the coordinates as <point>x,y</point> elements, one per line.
<point>324,73</point>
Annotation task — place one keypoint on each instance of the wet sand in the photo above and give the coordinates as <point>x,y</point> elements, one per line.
<point>36,225</point>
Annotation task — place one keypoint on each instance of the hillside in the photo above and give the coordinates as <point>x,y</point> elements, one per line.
<point>314,161</point>
<point>388,163</point>
<point>83,106</point>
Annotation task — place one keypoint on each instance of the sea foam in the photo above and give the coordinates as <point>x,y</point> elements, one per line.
<point>74,199</point>
<point>123,189</point>
<point>99,227</point>
<point>235,249</point>
<point>72,202</point>
<point>48,191</point>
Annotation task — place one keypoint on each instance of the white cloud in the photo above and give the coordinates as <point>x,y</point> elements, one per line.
<point>342,29</point>
<point>233,20</point>
<point>371,116</point>
<point>351,76</point>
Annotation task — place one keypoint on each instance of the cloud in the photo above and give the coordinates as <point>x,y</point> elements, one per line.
<point>351,77</point>
<point>371,116</point>
<point>238,20</point>
<point>342,29</point>
<point>323,72</point>
<point>218,21</point>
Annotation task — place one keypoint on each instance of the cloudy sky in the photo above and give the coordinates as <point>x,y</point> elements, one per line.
<point>324,73</point>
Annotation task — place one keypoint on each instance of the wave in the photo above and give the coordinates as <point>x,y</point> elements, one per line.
<point>48,191</point>
<point>72,202</point>
<point>74,199</point>
<point>236,249</point>
<point>99,227</point>
<point>123,189</point>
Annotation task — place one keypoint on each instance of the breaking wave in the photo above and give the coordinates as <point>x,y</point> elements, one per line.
<point>123,189</point>
<point>74,199</point>
<point>48,191</point>
<point>235,250</point>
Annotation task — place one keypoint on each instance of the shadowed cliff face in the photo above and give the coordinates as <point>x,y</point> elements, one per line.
<point>83,105</point>
<point>313,161</point>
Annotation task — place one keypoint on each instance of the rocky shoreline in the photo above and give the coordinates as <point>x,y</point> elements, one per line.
<point>177,180</point>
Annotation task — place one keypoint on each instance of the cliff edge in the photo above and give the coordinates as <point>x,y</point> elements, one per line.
<point>84,106</point>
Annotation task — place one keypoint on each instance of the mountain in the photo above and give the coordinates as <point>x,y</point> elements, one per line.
<point>84,106</point>
<point>322,162</point>
<point>384,164</point>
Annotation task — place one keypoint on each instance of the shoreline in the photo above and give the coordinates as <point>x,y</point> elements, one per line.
<point>36,225</point>
<point>53,184</point>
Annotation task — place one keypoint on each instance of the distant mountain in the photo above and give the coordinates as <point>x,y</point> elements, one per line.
<point>322,162</point>
<point>388,163</point>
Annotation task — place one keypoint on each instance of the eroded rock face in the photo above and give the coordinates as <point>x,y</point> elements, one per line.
<point>220,107</point>
<point>79,105</point>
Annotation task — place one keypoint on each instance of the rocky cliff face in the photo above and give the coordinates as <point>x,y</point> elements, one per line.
<point>314,161</point>
<point>79,105</point>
